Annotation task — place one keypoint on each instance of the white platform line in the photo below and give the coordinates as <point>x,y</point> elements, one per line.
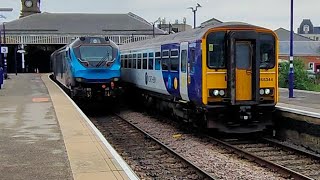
<point>301,91</point>
<point>114,153</point>
<point>299,111</point>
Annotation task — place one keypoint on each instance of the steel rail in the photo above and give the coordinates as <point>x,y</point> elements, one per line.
<point>263,162</point>
<point>205,174</point>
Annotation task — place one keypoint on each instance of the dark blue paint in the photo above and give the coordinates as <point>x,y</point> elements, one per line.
<point>195,87</point>
<point>168,75</point>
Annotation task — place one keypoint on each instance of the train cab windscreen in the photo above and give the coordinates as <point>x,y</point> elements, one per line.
<point>216,50</point>
<point>267,51</point>
<point>95,53</point>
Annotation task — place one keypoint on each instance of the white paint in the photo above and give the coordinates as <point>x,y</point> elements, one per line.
<point>298,90</point>
<point>183,76</point>
<point>291,58</point>
<point>22,56</point>
<point>114,153</point>
<point>4,49</point>
<point>299,111</point>
<point>291,65</point>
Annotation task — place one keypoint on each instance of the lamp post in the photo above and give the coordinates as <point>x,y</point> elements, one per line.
<point>5,67</point>
<point>153,28</point>
<point>194,10</point>
<point>291,70</point>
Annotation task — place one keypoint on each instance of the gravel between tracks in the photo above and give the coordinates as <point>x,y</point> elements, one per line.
<point>210,157</point>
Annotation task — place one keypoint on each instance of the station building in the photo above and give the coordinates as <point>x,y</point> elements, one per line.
<point>41,33</point>
<point>304,48</point>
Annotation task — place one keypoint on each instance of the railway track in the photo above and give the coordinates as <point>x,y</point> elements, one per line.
<point>289,161</point>
<point>148,157</point>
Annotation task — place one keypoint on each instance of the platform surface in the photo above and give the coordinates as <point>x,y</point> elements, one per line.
<point>303,100</point>
<point>43,135</point>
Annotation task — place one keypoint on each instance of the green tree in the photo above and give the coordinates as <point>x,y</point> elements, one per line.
<point>301,80</point>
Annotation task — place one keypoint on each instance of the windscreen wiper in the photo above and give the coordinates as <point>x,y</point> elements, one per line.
<point>102,60</point>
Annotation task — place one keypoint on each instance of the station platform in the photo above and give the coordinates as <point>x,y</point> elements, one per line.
<point>43,135</point>
<point>304,102</point>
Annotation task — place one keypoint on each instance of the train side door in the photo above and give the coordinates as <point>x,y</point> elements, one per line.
<point>243,58</point>
<point>183,72</point>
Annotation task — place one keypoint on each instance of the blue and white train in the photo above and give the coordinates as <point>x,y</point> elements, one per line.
<point>89,67</point>
<point>222,76</point>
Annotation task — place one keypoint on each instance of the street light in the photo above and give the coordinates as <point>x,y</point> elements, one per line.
<point>194,10</point>
<point>291,70</point>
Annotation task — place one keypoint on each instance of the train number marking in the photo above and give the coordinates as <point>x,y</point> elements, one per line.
<point>266,79</point>
<point>150,79</point>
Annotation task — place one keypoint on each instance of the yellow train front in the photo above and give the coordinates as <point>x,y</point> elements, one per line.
<point>222,76</point>
<point>240,79</point>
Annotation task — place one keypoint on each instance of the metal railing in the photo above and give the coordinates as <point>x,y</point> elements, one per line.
<point>65,39</point>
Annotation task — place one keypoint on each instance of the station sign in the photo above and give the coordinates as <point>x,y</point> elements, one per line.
<point>4,49</point>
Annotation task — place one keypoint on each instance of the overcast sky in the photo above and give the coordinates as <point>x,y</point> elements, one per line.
<point>268,13</point>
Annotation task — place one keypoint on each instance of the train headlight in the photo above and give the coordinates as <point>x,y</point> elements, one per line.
<point>79,79</point>
<point>267,91</point>
<point>215,92</point>
<point>261,92</point>
<point>221,93</point>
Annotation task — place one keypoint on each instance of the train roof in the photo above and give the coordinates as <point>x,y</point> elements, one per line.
<point>191,35</point>
<point>87,40</point>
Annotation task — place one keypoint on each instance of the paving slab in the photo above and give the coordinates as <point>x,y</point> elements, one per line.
<point>31,143</point>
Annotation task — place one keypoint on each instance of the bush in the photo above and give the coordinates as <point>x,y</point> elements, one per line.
<point>301,79</point>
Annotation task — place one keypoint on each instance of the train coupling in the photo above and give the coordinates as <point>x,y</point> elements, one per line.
<point>88,92</point>
<point>245,113</point>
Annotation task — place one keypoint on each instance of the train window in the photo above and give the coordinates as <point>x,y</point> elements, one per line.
<point>126,63</point>
<point>192,60</point>
<point>130,61</point>
<point>134,64</point>
<point>165,54</point>
<point>184,60</point>
<point>126,57</point>
<point>165,63</point>
<point>139,61</point>
<point>134,61</point>
<point>174,53</point>
<point>145,61</point>
<point>267,51</point>
<point>122,61</point>
<point>174,60</point>
<point>157,60</point>
<point>243,55</point>
<point>165,60</point>
<point>216,50</point>
<point>150,63</point>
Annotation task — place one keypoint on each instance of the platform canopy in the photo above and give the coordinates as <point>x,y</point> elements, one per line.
<point>61,28</point>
